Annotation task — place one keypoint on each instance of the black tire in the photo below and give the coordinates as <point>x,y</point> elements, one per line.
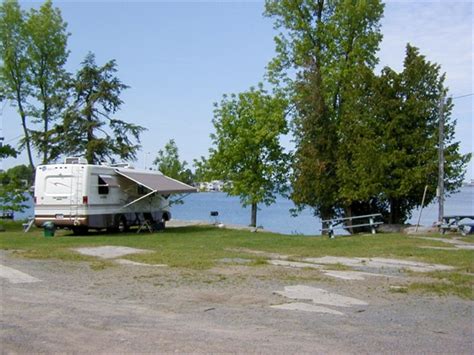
<point>80,230</point>
<point>122,225</point>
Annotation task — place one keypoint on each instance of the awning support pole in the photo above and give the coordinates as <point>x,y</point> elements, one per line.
<point>138,199</point>
<point>174,201</point>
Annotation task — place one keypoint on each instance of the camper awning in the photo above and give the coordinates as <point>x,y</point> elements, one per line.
<point>157,183</point>
<point>109,180</point>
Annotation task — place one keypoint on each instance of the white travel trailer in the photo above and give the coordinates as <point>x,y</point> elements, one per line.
<point>81,196</point>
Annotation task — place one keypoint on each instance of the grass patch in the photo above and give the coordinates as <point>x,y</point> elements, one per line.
<point>443,289</point>
<point>201,248</point>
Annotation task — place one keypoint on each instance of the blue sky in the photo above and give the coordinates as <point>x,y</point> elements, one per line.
<point>180,57</point>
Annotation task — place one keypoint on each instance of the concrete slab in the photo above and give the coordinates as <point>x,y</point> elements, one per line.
<point>379,263</point>
<point>455,242</point>
<point>295,264</point>
<point>235,261</point>
<point>439,248</point>
<point>16,277</point>
<point>109,251</point>
<point>320,296</point>
<point>134,263</point>
<point>306,307</point>
<point>347,275</point>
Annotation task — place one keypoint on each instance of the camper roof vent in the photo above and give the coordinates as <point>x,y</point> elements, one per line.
<point>75,160</point>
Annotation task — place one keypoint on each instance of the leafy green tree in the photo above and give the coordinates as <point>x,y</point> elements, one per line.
<point>408,125</point>
<point>246,150</point>
<point>7,151</point>
<point>168,162</point>
<point>323,48</point>
<point>89,127</point>
<point>14,184</point>
<point>47,53</point>
<point>15,64</point>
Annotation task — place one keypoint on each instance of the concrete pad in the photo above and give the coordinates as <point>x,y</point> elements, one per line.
<point>16,277</point>
<point>334,260</point>
<point>319,296</point>
<point>134,263</point>
<point>109,251</point>
<point>455,242</point>
<point>346,275</point>
<point>293,264</point>
<point>305,307</point>
<point>465,246</point>
<point>439,248</point>
<point>235,261</point>
<point>379,263</point>
<point>258,252</point>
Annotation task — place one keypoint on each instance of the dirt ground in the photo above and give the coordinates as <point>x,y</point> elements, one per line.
<point>146,309</point>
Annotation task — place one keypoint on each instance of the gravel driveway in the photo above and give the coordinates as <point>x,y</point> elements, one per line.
<point>142,309</point>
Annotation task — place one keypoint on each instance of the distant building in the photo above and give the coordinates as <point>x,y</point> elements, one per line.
<point>212,186</point>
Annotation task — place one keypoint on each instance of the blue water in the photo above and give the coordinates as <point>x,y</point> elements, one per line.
<point>277,217</point>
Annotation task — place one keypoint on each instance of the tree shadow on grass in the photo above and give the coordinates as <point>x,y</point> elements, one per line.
<point>133,232</point>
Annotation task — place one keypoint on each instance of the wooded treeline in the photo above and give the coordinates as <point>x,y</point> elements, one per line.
<point>61,113</point>
<point>365,141</point>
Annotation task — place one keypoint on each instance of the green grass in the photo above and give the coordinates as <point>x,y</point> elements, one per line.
<point>200,248</point>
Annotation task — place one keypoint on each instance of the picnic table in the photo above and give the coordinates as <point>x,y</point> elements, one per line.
<point>457,223</point>
<point>347,223</point>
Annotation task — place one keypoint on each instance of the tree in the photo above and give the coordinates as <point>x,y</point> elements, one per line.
<point>168,162</point>
<point>246,150</point>
<point>47,52</point>
<point>14,184</point>
<point>88,126</point>
<point>15,67</point>
<point>323,48</point>
<point>7,151</point>
<point>408,121</point>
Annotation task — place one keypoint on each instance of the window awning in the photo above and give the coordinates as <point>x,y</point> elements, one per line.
<point>156,182</point>
<point>109,180</point>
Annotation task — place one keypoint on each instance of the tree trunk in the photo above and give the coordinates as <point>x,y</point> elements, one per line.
<point>25,131</point>
<point>253,217</point>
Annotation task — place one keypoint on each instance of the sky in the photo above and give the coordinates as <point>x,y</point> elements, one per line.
<point>179,57</point>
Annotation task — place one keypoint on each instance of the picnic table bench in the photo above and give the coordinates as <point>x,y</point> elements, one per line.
<point>341,223</point>
<point>455,223</point>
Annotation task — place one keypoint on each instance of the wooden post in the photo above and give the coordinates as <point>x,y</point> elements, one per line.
<point>372,225</point>
<point>421,210</point>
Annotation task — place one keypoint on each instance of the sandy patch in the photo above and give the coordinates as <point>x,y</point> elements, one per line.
<point>320,296</point>
<point>306,307</point>
<point>110,252</point>
<point>14,276</point>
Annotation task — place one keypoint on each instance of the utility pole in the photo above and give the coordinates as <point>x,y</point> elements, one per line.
<point>441,161</point>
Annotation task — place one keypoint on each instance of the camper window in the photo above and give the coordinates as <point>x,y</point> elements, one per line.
<point>103,187</point>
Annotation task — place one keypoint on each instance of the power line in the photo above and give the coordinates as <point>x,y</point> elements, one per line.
<point>458,97</point>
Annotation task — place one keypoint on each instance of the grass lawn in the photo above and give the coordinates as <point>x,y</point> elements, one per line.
<point>201,248</point>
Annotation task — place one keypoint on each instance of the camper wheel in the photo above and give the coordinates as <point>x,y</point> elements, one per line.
<point>122,225</point>
<point>80,230</point>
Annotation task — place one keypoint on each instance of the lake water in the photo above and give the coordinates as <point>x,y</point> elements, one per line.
<point>277,217</point>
